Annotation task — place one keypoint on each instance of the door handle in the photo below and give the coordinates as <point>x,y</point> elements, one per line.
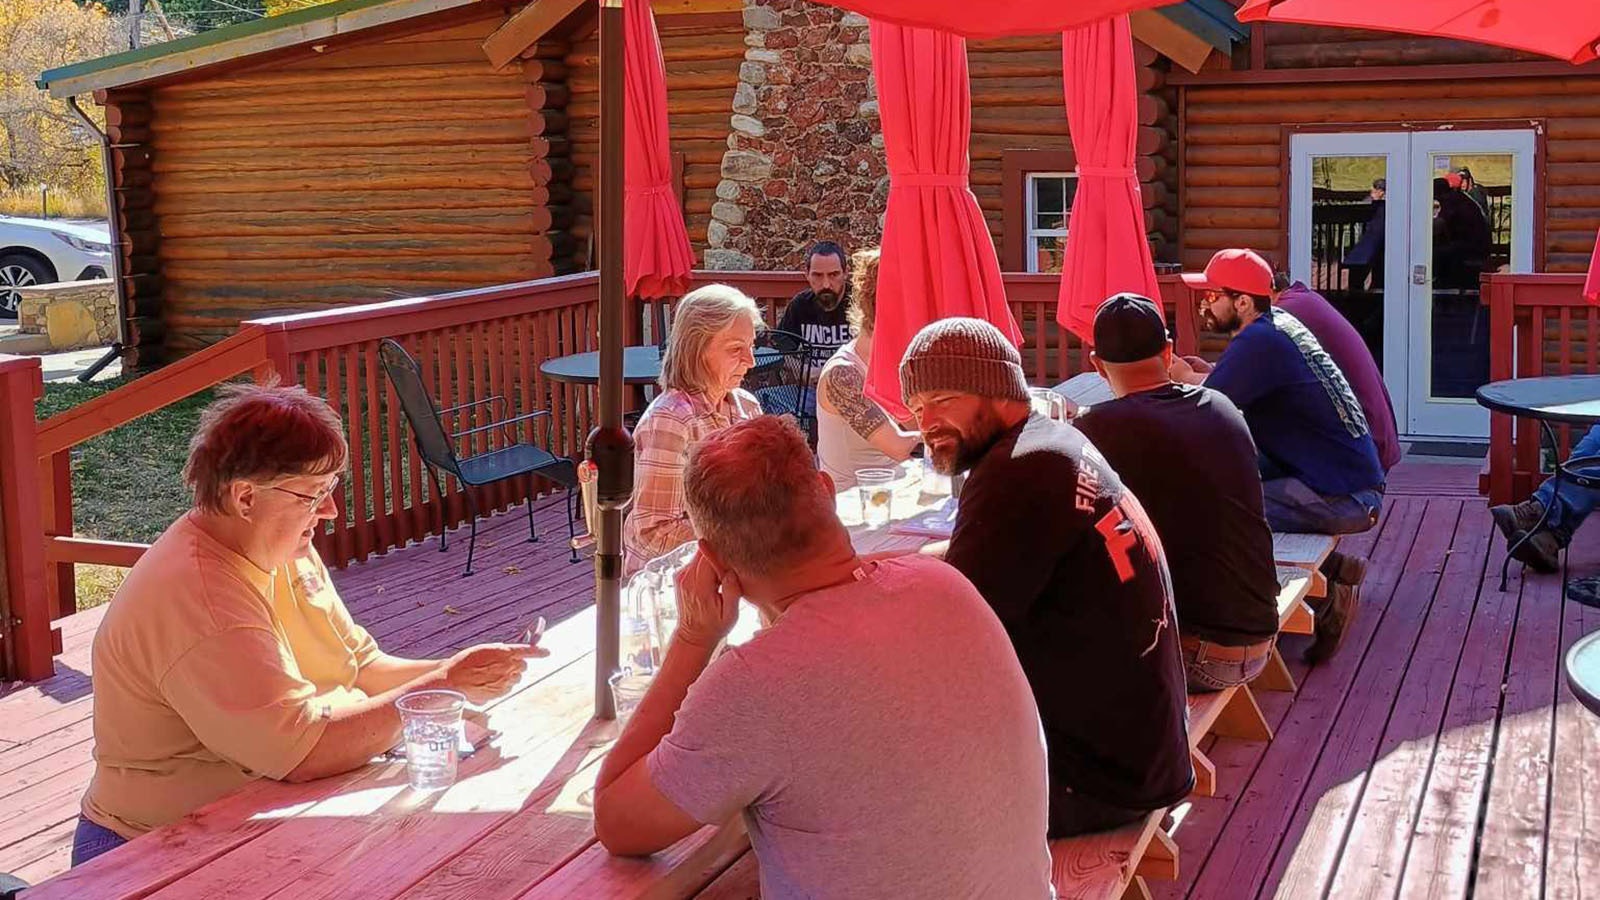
<point>1419,274</point>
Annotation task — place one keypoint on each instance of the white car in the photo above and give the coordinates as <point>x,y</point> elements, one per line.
<point>37,251</point>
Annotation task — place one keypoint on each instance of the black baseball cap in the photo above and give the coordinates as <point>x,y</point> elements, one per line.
<point>1129,328</point>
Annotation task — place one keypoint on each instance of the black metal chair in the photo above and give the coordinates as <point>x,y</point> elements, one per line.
<point>437,444</point>
<point>784,387</point>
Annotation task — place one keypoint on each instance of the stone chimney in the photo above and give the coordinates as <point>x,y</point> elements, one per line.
<point>805,154</point>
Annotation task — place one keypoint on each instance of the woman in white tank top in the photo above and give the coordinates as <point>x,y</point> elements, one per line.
<point>852,431</point>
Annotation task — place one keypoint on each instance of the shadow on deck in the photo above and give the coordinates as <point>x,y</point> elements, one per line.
<point>1439,754</point>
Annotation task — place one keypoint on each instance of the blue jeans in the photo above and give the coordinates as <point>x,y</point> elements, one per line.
<point>1205,675</point>
<point>1292,506</point>
<point>1573,504</point>
<point>91,840</point>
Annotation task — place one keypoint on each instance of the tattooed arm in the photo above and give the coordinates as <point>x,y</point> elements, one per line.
<point>843,392</point>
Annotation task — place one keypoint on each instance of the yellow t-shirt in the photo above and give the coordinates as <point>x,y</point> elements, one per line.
<point>209,673</point>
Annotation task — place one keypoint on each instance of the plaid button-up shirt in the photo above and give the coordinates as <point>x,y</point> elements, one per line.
<point>675,421</point>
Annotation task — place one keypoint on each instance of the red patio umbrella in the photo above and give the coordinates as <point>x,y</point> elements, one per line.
<point>938,259</point>
<point>657,257</point>
<point>1566,30</point>
<point>1106,247</point>
<point>1008,17</point>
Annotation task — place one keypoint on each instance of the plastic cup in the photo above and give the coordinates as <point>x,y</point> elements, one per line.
<point>934,484</point>
<point>432,721</point>
<point>877,495</point>
<point>627,691</point>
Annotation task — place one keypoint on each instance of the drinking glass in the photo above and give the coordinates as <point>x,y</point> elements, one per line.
<point>626,692</point>
<point>877,495</point>
<point>432,721</point>
<point>1048,403</point>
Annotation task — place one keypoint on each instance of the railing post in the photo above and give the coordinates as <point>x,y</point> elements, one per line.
<point>1502,333</point>
<point>25,634</point>
<point>1527,439</point>
<point>55,503</point>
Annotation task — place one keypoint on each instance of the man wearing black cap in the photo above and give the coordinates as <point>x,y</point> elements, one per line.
<point>1202,492</point>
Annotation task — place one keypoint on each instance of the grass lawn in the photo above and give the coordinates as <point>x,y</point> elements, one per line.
<point>127,483</point>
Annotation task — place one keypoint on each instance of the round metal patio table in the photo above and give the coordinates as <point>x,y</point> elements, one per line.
<point>640,365</point>
<point>1583,671</point>
<point>1552,400</point>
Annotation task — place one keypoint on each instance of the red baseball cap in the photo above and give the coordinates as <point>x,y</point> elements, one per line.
<point>1240,271</point>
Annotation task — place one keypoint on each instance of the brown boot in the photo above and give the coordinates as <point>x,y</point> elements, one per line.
<point>1541,551</point>
<point>1333,620</point>
<point>1344,568</point>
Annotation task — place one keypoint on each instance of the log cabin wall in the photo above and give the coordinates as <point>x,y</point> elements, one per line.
<point>702,53</point>
<point>392,168</point>
<point>1018,103</point>
<point>1316,47</point>
<point>1234,145</point>
<point>1234,134</point>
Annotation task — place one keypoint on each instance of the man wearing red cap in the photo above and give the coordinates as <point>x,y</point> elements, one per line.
<point>1319,466</point>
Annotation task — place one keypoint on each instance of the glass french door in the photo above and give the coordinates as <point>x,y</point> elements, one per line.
<point>1384,226</point>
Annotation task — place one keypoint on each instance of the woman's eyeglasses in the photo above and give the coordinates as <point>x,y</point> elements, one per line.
<point>314,500</point>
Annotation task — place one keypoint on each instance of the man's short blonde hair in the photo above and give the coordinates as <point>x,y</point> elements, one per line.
<point>700,316</point>
<point>754,495</point>
<point>262,433</point>
<point>863,312</point>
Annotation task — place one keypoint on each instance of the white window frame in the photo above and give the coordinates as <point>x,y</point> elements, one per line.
<point>1031,261</point>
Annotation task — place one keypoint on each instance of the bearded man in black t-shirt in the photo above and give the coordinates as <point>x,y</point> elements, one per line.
<point>820,313</point>
<point>1071,564</point>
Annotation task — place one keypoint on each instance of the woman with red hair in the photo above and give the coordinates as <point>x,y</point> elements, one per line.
<point>226,655</point>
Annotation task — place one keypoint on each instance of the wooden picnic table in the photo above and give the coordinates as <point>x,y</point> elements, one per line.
<point>517,823</point>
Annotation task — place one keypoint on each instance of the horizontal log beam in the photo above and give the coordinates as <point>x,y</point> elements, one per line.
<point>341,200</point>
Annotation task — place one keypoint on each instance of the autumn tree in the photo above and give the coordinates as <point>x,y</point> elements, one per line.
<point>41,140</point>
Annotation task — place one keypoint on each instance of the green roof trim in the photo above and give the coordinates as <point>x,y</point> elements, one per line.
<point>235,41</point>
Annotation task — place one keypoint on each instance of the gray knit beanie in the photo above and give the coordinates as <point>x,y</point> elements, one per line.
<point>967,356</point>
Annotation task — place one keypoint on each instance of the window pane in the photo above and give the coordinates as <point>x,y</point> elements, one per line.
<point>1048,254</point>
<point>1471,235</point>
<point>1348,240</point>
<point>1048,221</point>
<point>1048,194</point>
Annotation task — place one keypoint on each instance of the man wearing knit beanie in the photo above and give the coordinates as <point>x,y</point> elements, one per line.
<point>1071,565</point>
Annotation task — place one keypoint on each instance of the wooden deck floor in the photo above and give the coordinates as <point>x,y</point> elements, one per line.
<point>1439,754</point>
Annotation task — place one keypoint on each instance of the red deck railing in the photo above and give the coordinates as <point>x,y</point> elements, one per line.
<point>470,345</point>
<point>1539,324</point>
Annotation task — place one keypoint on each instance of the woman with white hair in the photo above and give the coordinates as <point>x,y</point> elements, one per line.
<point>711,347</point>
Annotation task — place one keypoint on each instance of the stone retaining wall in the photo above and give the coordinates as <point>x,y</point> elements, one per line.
<point>73,314</point>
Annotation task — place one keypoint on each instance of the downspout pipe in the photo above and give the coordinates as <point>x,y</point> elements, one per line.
<point>114,227</point>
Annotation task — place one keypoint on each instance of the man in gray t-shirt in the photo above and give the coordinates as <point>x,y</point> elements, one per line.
<point>879,737</point>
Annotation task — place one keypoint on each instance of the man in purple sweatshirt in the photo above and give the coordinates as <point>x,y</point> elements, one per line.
<point>1337,336</point>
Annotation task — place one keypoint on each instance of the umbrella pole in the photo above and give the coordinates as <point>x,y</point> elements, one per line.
<point>610,446</point>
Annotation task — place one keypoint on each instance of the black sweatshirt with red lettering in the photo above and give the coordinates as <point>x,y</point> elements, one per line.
<point>1071,565</point>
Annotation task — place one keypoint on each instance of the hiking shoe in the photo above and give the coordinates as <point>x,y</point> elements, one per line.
<point>1332,622</point>
<point>1344,568</point>
<point>1540,552</point>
